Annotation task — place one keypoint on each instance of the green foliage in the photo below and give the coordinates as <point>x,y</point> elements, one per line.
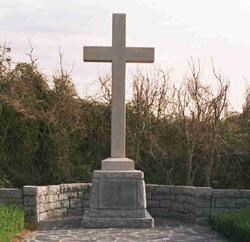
<point>11,222</point>
<point>49,135</point>
<point>234,225</point>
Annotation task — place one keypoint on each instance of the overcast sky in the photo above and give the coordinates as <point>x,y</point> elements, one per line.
<point>177,29</point>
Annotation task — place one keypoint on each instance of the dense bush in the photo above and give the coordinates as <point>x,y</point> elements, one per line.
<point>187,135</point>
<point>11,222</point>
<point>234,225</point>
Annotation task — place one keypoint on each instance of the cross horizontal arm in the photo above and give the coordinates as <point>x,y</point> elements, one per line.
<point>97,54</point>
<point>137,54</point>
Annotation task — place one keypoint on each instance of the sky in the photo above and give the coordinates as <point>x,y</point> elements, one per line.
<point>179,29</point>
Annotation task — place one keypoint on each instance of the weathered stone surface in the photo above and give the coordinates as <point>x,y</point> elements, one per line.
<point>203,202</point>
<point>222,193</point>
<point>153,203</point>
<point>69,229</point>
<point>10,193</point>
<point>16,201</point>
<point>74,187</point>
<point>118,164</point>
<point>30,201</point>
<point>203,191</point>
<point>75,202</point>
<point>225,203</point>
<point>112,222</point>
<point>54,189</point>
<point>242,202</point>
<point>94,195</point>
<point>30,190</point>
<point>64,203</point>
<point>118,213</point>
<point>100,174</point>
<point>159,212</point>
<point>118,193</point>
<point>165,203</point>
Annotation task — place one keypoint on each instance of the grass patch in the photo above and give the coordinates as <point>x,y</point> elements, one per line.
<point>233,225</point>
<point>11,222</point>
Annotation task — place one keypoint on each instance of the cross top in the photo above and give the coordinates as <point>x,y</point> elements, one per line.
<point>118,54</point>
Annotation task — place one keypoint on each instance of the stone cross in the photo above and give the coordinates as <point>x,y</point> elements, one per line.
<point>118,54</point>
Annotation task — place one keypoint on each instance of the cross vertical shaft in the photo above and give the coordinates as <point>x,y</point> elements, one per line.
<point>118,116</point>
<point>118,54</point>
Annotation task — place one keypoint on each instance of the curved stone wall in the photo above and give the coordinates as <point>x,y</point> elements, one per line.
<point>194,204</point>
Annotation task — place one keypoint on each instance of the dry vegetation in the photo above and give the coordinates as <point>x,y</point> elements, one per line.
<point>184,135</point>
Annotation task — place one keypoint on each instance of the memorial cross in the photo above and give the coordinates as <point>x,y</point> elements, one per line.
<point>118,54</point>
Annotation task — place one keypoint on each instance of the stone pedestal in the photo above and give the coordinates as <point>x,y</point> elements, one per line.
<point>117,199</point>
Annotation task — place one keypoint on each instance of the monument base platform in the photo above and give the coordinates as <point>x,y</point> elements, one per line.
<point>113,222</point>
<point>117,199</point>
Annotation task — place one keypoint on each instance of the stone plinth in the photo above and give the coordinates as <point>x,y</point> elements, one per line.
<point>117,199</point>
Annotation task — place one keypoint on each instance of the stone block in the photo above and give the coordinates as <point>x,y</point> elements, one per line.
<point>151,187</point>
<point>85,203</point>
<point>141,194</point>
<point>10,193</point>
<point>242,202</point>
<point>190,200</point>
<point>118,193</point>
<point>162,189</point>
<point>201,202</point>
<point>75,202</point>
<point>54,189</point>
<point>159,212</point>
<point>226,193</point>
<point>14,201</point>
<point>182,190</point>
<point>225,202</point>
<point>203,192</point>
<point>30,201</point>
<point>118,213</point>
<point>43,207</point>
<point>52,198</point>
<point>148,195</point>
<point>74,187</point>
<point>63,196</point>
<point>178,207</point>
<point>86,195</point>
<point>43,216</point>
<point>189,190</point>
<point>153,204</point>
<point>189,207</point>
<point>43,190</point>
<point>30,190</point>
<point>95,222</point>
<point>55,205</point>
<point>75,211</point>
<point>64,203</point>
<point>94,195</point>
<point>29,210</point>
<point>245,193</point>
<point>101,174</point>
<point>180,198</point>
<point>165,203</point>
<point>72,194</point>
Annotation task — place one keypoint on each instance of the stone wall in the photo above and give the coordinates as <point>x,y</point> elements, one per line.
<point>43,202</point>
<point>194,204</point>
<point>11,196</point>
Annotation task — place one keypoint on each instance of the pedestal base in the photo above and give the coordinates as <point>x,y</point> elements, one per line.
<point>118,164</point>
<point>117,199</point>
<point>104,222</point>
